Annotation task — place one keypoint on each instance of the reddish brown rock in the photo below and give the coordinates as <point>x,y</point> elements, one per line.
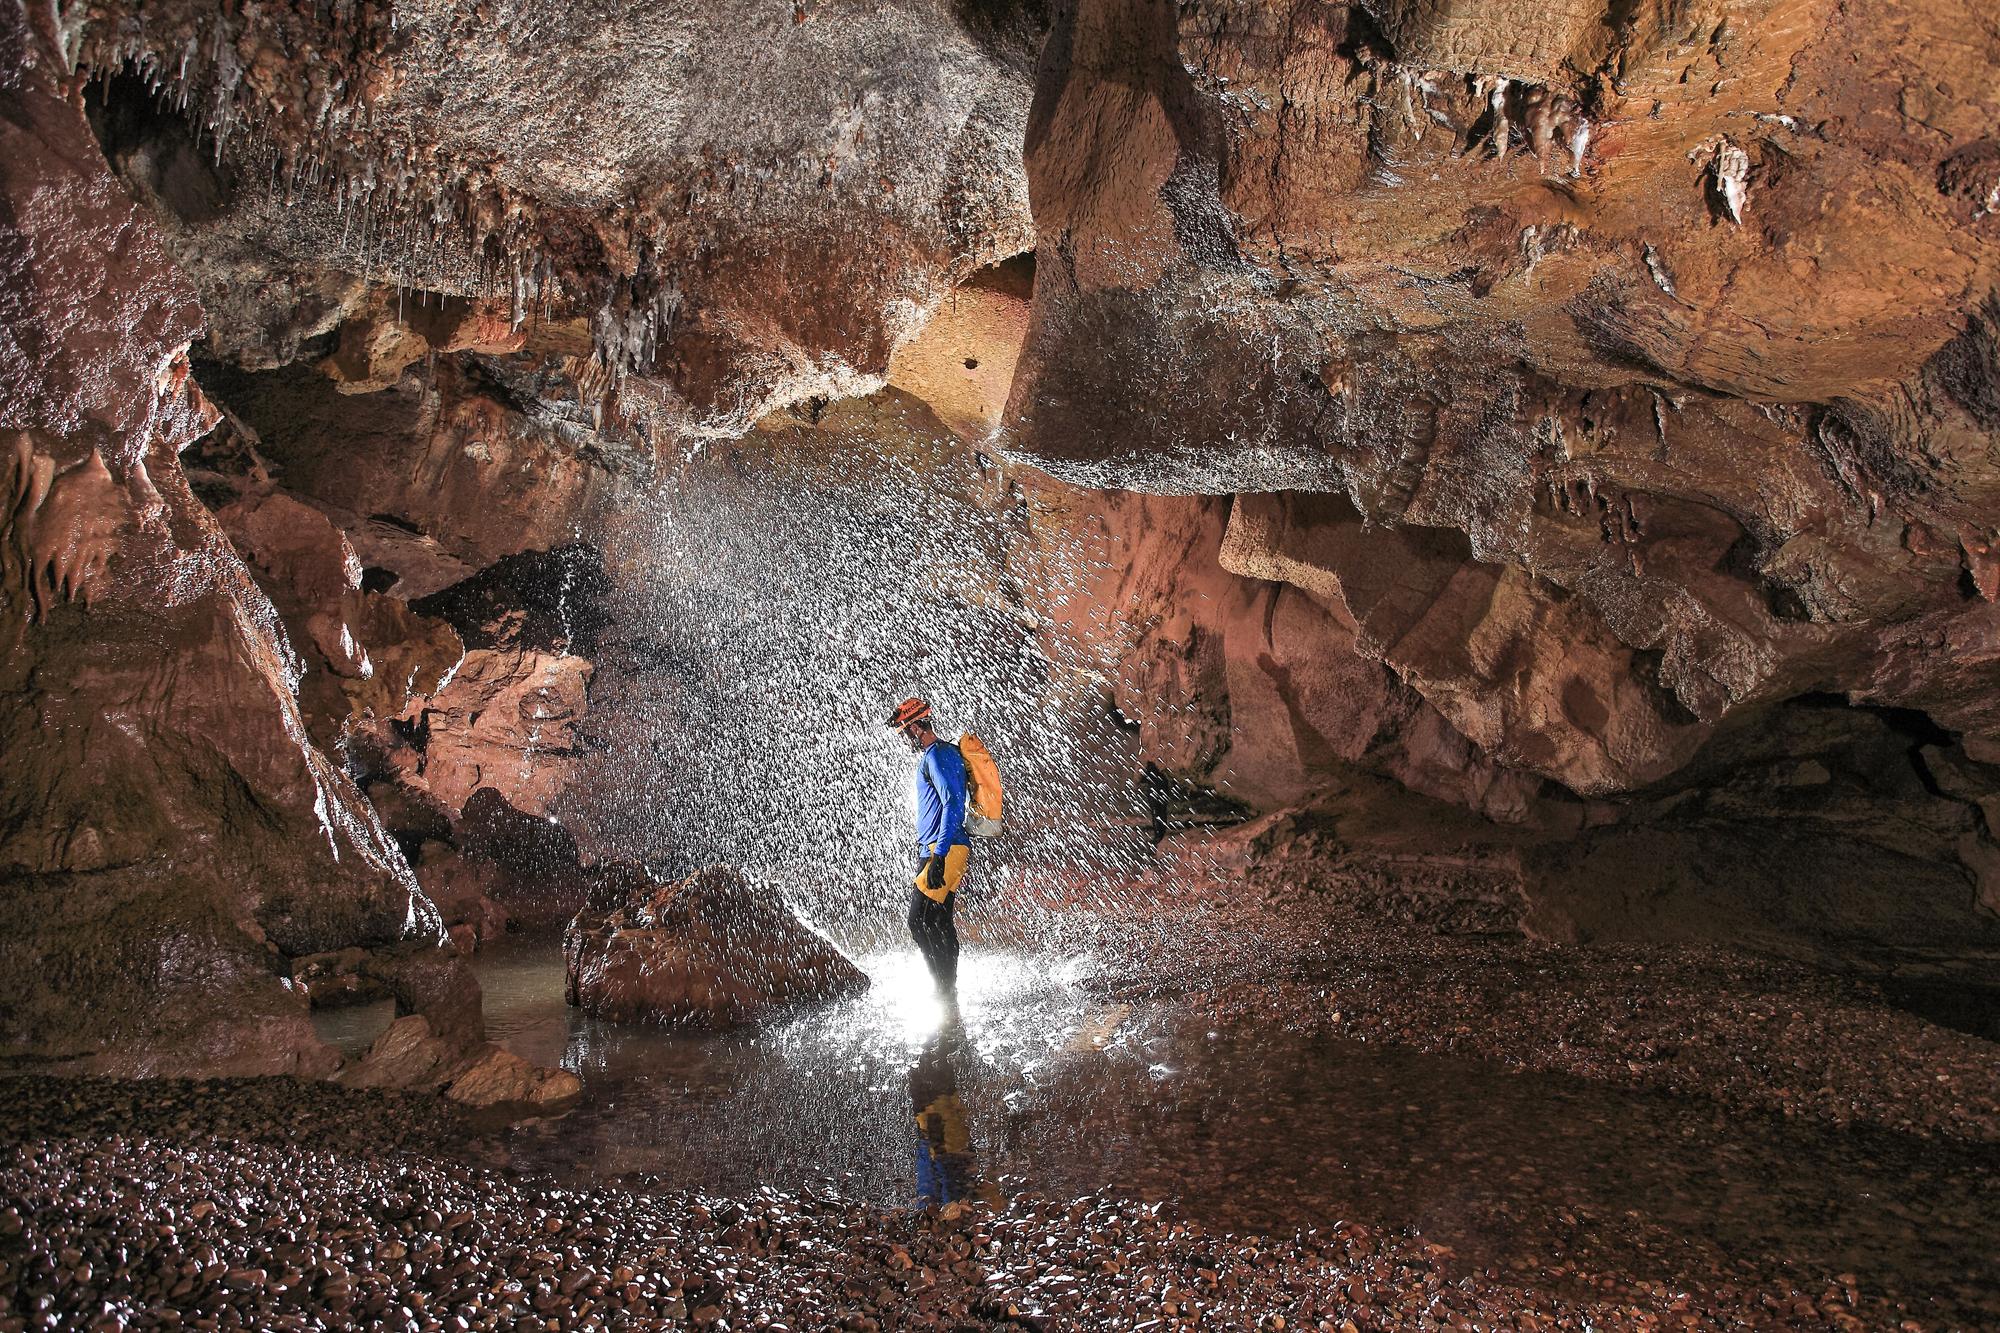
<point>711,951</point>
<point>367,656</point>
<point>501,1080</point>
<point>1533,678</point>
<point>1254,686</point>
<point>1777,838</point>
<point>1559,393</point>
<point>506,717</point>
<point>467,893</point>
<point>413,656</point>
<point>408,1055</point>
<point>961,363</point>
<point>693,222</point>
<point>384,338</point>
<point>438,476</point>
<point>1666,331</point>
<point>337,977</point>
<point>169,835</point>
<point>437,1041</point>
<point>506,720</point>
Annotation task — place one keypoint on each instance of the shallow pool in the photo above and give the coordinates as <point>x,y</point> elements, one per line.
<point>1031,1083</point>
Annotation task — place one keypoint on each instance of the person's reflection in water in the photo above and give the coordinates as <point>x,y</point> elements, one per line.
<point>946,1169</point>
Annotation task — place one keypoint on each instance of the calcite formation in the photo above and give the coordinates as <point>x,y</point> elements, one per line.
<point>689,180</point>
<point>1681,400</point>
<point>169,835</point>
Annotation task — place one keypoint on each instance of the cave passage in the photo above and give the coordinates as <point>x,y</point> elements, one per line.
<point>1466,535</point>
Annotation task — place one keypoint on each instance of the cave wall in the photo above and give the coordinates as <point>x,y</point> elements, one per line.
<point>686,183</point>
<point>169,834</point>
<point>421,537</point>
<point>1648,347</point>
<point>1524,409</point>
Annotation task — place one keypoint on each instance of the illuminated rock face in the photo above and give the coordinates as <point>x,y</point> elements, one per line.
<point>1520,402</point>
<point>962,362</point>
<point>1654,336</point>
<point>750,203</point>
<point>712,951</point>
<point>1679,404</point>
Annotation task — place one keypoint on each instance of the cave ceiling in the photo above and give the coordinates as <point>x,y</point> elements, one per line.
<point>1609,368</point>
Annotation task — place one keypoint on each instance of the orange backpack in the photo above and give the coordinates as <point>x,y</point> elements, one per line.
<point>982,788</point>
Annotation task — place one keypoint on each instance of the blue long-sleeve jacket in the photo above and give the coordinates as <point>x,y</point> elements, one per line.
<point>941,798</point>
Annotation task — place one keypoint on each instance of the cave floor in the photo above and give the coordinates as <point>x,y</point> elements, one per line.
<point>1297,1113</point>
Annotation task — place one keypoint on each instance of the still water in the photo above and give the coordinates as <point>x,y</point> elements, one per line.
<point>1032,1083</point>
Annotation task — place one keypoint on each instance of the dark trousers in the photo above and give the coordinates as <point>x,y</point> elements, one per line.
<point>937,938</point>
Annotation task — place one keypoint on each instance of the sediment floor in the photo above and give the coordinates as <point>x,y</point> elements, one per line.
<point>273,1205</point>
<point>1452,1133</point>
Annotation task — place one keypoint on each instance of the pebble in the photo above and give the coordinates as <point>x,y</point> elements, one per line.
<point>277,1204</point>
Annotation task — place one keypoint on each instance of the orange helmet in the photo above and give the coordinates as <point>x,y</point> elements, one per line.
<point>908,711</point>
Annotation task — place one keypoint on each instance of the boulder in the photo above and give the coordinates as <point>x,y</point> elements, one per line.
<point>501,1079</point>
<point>406,1055</point>
<point>711,951</point>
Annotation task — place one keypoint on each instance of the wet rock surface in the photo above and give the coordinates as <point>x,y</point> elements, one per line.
<point>1750,1034</point>
<point>249,1232</point>
<point>1508,359</point>
<point>1263,1056</point>
<point>478,1075</point>
<point>710,951</point>
<point>170,835</point>
<point>759,155</point>
<point>1579,412</point>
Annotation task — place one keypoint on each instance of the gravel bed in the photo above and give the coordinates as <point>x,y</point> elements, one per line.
<point>171,1208</point>
<point>1748,1032</point>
